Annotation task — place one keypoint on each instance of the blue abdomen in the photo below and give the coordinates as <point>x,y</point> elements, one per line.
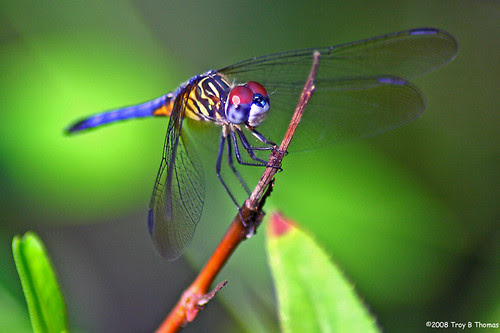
<point>146,109</point>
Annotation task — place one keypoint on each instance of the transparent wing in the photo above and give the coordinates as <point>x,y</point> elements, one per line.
<point>345,110</point>
<point>179,191</point>
<point>405,54</point>
<point>359,90</point>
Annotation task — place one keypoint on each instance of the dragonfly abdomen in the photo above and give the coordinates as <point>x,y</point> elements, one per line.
<point>161,106</point>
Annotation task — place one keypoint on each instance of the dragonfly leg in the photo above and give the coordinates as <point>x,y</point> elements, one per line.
<point>247,147</point>
<point>231,165</point>
<point>217,169</point>
<point>250,150</point>
<point>263,139</point>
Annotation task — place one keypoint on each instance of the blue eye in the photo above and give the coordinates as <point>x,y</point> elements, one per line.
<point>259,100</point>
<point>258,110</point>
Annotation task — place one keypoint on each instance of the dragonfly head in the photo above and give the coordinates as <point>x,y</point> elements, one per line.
<point>247,103</point>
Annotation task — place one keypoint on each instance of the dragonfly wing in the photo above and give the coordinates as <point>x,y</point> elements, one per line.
<point>407,54</point>
<point>178,194</point>
<point>343,110</point>
<point>359,86</point>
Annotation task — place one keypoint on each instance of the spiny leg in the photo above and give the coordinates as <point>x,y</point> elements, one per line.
<point>261,138</point>
<point>230,162</point>
<point>247,147</point>
<point>250,149</point>
<point>218,167</point>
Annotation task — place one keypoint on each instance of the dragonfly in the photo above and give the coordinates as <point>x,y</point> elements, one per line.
<point>362,89</point>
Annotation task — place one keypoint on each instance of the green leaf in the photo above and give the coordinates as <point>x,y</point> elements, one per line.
<point>313,295</point>
<point>43,296</point>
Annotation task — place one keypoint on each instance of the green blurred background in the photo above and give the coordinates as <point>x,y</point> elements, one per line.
<point>411,216</point>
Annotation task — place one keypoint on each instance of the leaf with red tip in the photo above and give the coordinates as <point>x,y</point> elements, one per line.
<point>313,294</point>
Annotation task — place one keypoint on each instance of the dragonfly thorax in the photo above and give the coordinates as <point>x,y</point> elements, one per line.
<point>248,103</point>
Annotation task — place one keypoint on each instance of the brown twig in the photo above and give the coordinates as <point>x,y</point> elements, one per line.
<point>197,294</point>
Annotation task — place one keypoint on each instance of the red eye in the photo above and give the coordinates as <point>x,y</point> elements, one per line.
<point>240,95</point>
<point>257,88</point>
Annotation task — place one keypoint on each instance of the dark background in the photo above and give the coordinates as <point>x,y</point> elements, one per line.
<point>411,216</point>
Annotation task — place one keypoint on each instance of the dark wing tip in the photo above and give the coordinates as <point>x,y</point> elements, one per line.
<point>424,31</point>
<point>410,89</point>
<point>392,80</point>
<point>453,43</point>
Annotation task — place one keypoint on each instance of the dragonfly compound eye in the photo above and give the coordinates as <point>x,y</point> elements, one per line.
<point>260,104</point>
<point>238,104</point>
